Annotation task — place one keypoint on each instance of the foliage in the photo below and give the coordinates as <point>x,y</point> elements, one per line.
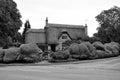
<point>69,42</point>
<point>10,21</point>
<point>26,27</point>
<point>11,54</point>
<point>109,21</point>
<point>30,52</point>
<point>30,48</point>
<point>79,51</point>
<point>17,37</point>
<point>60,55</point>
<point>98,46</point>
<point>1,54</point>
<point>93,39</point>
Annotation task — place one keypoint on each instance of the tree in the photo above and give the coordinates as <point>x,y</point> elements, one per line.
<point>10,21</point>
<point>26,27</point>
<point>109,21</point>
<point>17,37</point>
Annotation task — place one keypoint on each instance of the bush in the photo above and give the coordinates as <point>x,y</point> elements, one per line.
<point>100,54</point>
<point>91,49</point>
<point>74,48</point>
<point>60,55</point>
<point>116,45</point>
<point>93,39</point>
<point>98,46</point>
<point>79,51</point>
<point>28,49</point>
<point>30,52</point>
<point>11,54</point>
<point>111,49</point>
<point>1,54</point>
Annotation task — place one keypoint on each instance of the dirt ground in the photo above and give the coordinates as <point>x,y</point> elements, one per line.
<point>103,69</point>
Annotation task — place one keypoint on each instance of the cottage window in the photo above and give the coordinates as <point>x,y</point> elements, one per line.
<point>64,37</point>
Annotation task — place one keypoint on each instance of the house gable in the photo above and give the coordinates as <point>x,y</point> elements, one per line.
<point>64,36</point>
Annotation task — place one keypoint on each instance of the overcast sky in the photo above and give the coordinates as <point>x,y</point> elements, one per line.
<point>76,12</point>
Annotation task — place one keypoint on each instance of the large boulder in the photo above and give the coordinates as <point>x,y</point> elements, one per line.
<point>98,46</point>
<point>1,54</point>
<point>11,54</point>
<point>31,52</point>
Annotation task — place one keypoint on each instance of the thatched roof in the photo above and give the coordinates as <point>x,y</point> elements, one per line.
<point>51,33</point>
<point>35,30</point>
<point>35,36</point>
<point>54,31</point>
<point>64,25</point>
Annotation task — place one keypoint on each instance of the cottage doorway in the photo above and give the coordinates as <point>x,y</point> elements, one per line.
<point>53,47</point>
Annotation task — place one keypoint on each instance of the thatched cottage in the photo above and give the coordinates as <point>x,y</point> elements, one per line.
<point>53,35</point>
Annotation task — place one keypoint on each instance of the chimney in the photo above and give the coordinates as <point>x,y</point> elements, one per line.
<point>86,30</point>
<point>46,21</point>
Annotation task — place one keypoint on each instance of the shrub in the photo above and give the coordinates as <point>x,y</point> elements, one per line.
<point>91,49</point>
<point>98,46</point>
<point>111,49</point>
<point>94,39</point>
<point>11,54</point>
<point>79,51</point>
<point>116,45</point>
<point>28,49</point>
<point>100,54</point>
<point>74,48</point>
<point>60,55</point>
<point>30,53</point>
<point>1,54</point>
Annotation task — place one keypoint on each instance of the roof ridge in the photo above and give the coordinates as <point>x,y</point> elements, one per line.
<point>35,30</point>
<point>64,24</point>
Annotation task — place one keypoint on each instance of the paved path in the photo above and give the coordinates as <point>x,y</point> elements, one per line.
<point>106,69</point>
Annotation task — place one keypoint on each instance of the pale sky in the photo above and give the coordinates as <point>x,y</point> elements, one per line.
<point>75,12</point>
